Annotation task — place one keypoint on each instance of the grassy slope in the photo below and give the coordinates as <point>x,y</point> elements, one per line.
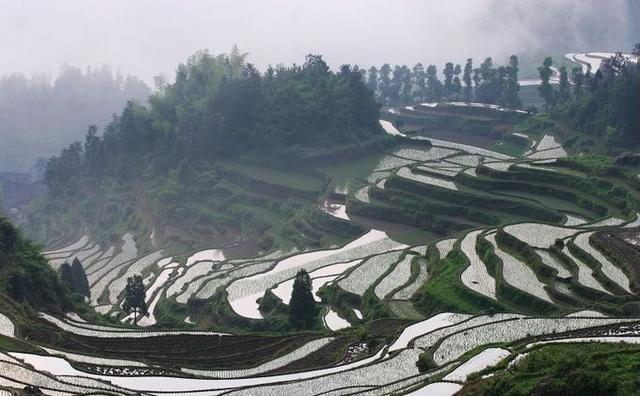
<point>579,369</point>
<point>290,179</point>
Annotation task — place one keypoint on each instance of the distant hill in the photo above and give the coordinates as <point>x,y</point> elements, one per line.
<point>38,117</point>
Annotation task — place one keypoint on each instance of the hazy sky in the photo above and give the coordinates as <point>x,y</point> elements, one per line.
<point>146,38</point>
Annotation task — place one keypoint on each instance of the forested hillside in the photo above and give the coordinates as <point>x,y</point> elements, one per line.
<point>183,159</point>
<point>596,111</point>
<point>607,105</point>
<point>38,117</point>
<point>221,107</point>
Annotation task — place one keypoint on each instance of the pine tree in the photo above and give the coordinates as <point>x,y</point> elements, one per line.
<point>578,80</point>
<point>372,82</point>
<point>448,79</point>
<point>467,78</point>
<point>545,89</point>
<point>134,297</point>
<point>65,275</point>
<point>419,82</point>
<point>302,307</point>
<point>510,87</point>
<point>434,86</point>
<point>564,89</point>
<point>80,282</point>
<point>457,84</point>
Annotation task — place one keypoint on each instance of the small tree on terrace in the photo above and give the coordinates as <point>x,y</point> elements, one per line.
<point>302,307</point>
<point>134,297</point>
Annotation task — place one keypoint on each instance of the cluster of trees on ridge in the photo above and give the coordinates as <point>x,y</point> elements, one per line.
<point>25,275</point>
<point>39,116</point>
<point>604,104</point>
<point>222,107</point>
<point>486,83</point>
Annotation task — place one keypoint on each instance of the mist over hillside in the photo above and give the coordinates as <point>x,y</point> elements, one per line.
<point>39,116</point>
<point>362,32</point>
<point>363,197</point>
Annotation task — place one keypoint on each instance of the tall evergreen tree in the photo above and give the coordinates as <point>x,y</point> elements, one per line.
<point>135,297</point>
<point>457,84</point>
<point>578,80</point>
<point>448,79</point>
<point>476,82</point>
<point>385,82</point>
<point>434,86</point>
<point>419,82</point>
<point>564,88</point>
<point>467,78</point>
<point>406,91</point>
<point>490,87</point>
<point>545,89</point>
<point>80,281</point>
<point>74,276</point>
<point>372,79</point>
<point>395,86</point>
<point>510,85</point>
<point>302,307</point>
<point>65,275</point>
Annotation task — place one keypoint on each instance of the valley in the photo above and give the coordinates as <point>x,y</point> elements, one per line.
<point>460,240</point>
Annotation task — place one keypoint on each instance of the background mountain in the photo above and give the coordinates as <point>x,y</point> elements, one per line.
<point>38,117</point>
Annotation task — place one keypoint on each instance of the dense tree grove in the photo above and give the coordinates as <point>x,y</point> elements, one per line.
<point>222,107</point>
<point>39,116</point>
<point>604,104</point>
<point>487,83</point>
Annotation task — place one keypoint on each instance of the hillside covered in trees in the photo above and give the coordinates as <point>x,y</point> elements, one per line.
<point>221,107</point>
<point>224,150</point>
<point>605,105</point>
<point>38,116</point>
<point>597,112</point>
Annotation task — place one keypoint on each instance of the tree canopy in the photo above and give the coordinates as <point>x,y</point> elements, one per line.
<point>487,83</point>
<point>222,107</point>
<point>603,104</point>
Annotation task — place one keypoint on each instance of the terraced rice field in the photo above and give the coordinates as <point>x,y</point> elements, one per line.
<point>518,274</point>
<point>400,275</point>
<point>365,275</point>
<point>435,181</point>
<point>475,276</point>
<point>375,274</point>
